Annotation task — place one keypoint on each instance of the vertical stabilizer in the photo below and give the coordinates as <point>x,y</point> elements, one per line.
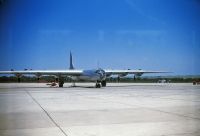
<point>71,63</point>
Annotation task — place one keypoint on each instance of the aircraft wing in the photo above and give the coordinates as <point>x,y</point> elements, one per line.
<point>74,72</point>
<point>46,72</point>
<point>136,72</point>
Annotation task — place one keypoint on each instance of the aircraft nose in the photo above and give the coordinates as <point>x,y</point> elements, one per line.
<point>101,74</point>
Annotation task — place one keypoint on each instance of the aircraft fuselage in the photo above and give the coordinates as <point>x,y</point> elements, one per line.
<point>91,75</point>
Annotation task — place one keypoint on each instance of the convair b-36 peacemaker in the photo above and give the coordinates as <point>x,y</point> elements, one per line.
<point>95,75</point>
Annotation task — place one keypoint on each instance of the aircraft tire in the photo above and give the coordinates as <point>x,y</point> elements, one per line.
<point>18,79</point>
<point>103,83</point>
<point>61,83</point>
<point>98,85</point>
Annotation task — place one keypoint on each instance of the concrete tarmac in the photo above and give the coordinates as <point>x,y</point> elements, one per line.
<point>120,109</point>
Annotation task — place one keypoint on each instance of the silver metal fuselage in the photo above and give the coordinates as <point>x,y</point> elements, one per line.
<point>90,75</point>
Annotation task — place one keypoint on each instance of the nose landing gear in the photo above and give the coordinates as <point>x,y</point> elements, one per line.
<point>100,84</point>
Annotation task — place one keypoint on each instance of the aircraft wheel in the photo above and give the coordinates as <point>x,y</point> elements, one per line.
<point>38,79</point>
<point>18,79</point>
<point>61,83</point>
<point>103,83</point>
<point>98,85</point>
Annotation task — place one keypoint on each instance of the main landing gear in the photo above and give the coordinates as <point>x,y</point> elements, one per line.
<point>103,83</point>
<point>60,82</point>
<point>73,84</point>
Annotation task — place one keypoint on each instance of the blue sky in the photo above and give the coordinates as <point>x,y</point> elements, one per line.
<point>118,34</point>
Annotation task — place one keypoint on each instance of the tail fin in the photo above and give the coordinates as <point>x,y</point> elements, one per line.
<point>71,63</point>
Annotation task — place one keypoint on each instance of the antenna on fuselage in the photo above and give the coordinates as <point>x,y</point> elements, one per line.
<point>71,66</point>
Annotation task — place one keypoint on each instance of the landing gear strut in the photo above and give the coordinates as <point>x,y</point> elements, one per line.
<point>73,84</point>
<point>38,79</point>
<point>103,83</point>
<point>98,85</point>
<point>61,82</point>
<point>18,79</point>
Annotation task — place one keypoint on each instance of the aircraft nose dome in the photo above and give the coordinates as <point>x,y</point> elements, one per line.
<point>101,73</point>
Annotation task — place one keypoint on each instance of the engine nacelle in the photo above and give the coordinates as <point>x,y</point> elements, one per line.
<point>138,74</point>
<point>123,75</point>
<point>108,74</point>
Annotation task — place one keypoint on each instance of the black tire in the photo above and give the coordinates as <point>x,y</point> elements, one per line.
<point>38,79</point>
<point>18,79</point>
<point>103,83</point>
<point>61,83</point>
<point>98,85</point>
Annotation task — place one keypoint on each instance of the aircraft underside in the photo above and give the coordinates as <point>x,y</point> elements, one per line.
<point>98,84</point>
